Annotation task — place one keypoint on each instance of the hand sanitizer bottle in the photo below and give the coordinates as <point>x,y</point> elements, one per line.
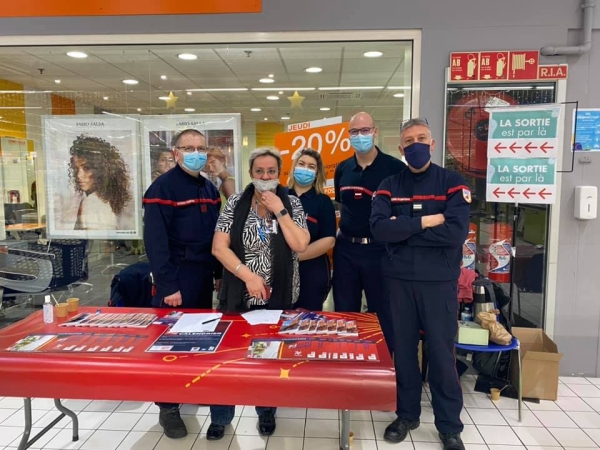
<point>48,310</point>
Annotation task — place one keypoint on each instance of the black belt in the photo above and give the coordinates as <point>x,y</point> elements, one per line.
<point>355,240</point>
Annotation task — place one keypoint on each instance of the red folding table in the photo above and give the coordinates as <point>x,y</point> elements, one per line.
<point>225,377</point>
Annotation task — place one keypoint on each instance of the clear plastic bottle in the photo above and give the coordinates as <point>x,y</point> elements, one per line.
<point>466,315</point>
<point>48,310</point>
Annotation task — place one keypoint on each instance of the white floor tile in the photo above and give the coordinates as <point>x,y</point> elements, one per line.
<point>193,423</point>
<point>102,406</point>
<point>121,421</point>
<point>586,391</point>
<point>508,403</point>
<point>364,444</point>
<point>196,410</point>
<point>6,413</point>
<point>322,428</point>
<point>543,405</point>
<point>471,435</point>
<point>322,414</point>
<point>380,429</point>
<point>89,420</point>
<point>427,446</point>
<point>76,405</point>
<point>543,447</point>
<point>569,381</point>
<point>425,433</point>
<point>465,418</point>
<point>362,429</point>
<point>290,428</point>
<point>359,415</point>
<point>66,422</point>
<point>42,403</point>
<point>41,442</point>
<point>247,443</point>
<point>536,436</point>
<point>528,418</point>
<point>383,416</point>
<point>594,434</point>
<point>285,443</point>
<point>565,391</point>
<point>585,419</point>
<point>477,401</point>
<point>247,426</point>
<point>573,404</point>
<point>498,435</point>
<point>133,407</point>
<point>594,403</point>
<point>509,447</point>
<point>104,440</point>
<point>291,413</point>
<point>11,402</point>
<point>321,444</point>
<point>203,444</point>
<point>382,445</point>
<point>176,444</point>
<point>595,381</point>
<point>427,415</point>
<point>9,434</point>
<point>148,422</point>
<point>18,419</point>
<point>486,416</point>
<point>248,411</point>
<point>468,386</point>
<point>555,419</point>
<point>139,440</point>
<point>571,437</point>
<point>64,439</point>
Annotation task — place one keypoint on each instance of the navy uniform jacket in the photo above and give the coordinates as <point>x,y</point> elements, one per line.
<point>320,214</point>
<point>180,215</point>
<point>433,254</point>
<point>354,188</point>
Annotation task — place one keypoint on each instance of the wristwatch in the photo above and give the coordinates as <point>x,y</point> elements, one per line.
<point>281,213</point>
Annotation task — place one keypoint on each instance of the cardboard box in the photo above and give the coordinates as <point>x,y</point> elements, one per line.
<point>540,362</point>
<point>471,333</point>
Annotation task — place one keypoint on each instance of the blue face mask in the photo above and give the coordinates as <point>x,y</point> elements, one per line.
<point>362,144</point>
<point>194,161</point>
<point>417,155</point>
<point>304,176</point>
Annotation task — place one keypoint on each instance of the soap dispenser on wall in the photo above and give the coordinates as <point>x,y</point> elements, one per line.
<point>586,202</point>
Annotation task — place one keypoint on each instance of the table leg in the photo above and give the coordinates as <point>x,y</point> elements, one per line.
<point>67,412</point>
<point>345,437</point>
<point>25,438</point>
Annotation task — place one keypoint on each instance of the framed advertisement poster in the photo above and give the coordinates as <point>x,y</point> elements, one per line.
<point>222,133</point>
<point>92,177</point>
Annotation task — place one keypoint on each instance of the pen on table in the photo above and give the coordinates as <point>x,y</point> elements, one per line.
<point>211,320</point>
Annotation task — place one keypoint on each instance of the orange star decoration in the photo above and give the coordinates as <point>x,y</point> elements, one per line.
<point>171,101</point>
<point>296,100</point>
<point>285,373</point>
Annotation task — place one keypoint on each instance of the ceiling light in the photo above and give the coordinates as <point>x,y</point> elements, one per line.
<point>399,95</point>
<point>349,88</point>
<point>271,75</point>
<point>272,97</point>
<point>163,77</point>
<point>189,110</point>
<point>313,70</point>
<point>267,80</point>
<point>285,118</point>
<point>280,92</point>
<point>217,90</point>
<point>104,98</point>
<point>399,88</point>
<point>189,93</point>
<point>164,97</point>
<point>187,56</point>
<point>284,89</point>
<point>255,109</point>
<point>325,108</point>
<point>139,110</point>
<point>57,81</point>
<point>79,55</point>
<point>374,54</point>
<point>131,82</point>
<point>266,118</point>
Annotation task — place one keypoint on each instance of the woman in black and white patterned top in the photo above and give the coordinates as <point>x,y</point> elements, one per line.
<point>257,239</point>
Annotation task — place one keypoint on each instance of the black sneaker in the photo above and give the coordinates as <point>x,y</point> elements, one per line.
<point>452,441</point>
<point>215,432</point>
<point>266,423</point>
<point>398,430</point>
<point>172,424</point>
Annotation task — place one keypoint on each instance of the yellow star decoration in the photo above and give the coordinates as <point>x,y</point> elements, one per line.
<point>285,373</point>
<point>172,100</point>
<point>296,100</point>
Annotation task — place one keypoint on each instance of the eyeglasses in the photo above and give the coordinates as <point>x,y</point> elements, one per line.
<point>356,131</point>
<point>261,172</point>
<point>412,122</point>
<point>190,149</point>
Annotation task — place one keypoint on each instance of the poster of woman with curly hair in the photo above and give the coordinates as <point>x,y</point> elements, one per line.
<point>92,177</point>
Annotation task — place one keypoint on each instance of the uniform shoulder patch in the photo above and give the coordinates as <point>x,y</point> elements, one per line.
<point>466,195</point>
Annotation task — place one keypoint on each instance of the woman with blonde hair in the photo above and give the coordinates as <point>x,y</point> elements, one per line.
<point>307,182</point>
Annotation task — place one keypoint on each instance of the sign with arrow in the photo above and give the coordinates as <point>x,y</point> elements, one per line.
<point>522,152</point>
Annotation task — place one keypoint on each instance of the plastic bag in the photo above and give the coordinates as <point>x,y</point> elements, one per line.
<point>498,334</point>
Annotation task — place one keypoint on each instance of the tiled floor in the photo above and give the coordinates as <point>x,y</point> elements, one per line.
<point>572,422</point>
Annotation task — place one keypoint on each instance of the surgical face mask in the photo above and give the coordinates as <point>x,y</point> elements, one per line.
<point>194,161</point>
<point>417,155</point>
<point>265,185</point>
<point>304,176</point>
<point>361,143</point>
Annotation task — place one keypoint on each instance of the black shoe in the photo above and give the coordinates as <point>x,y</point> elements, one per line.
<point>398,430</point>
<point>266,423</point>
<point>172,424</point>
<point>452,441</point>
<point>215,432</point>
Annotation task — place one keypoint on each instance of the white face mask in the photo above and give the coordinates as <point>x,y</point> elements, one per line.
<point>265,185</point>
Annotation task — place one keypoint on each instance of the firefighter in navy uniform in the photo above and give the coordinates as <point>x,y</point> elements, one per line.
<point>181,209</point>
<point>423,216</point>
<point>356,255</point>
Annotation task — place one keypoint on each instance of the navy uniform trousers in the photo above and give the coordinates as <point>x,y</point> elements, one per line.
<point>431,307</point>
